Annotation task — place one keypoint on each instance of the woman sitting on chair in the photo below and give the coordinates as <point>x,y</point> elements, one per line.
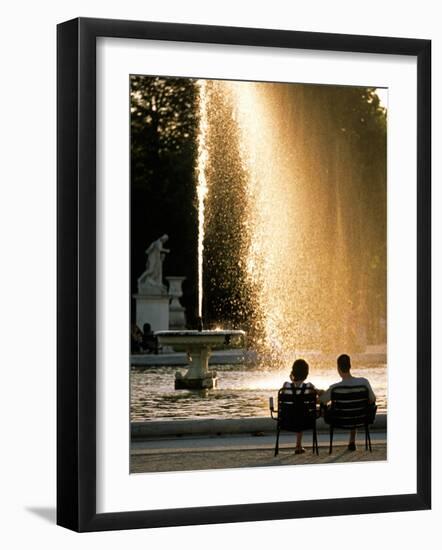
<point>298,384</point>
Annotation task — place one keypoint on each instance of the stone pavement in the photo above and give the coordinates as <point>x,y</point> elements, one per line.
<point>182,454</point>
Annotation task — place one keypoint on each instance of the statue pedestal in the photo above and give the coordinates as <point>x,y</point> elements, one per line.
<point>152,304</point>
<point>152,309</point>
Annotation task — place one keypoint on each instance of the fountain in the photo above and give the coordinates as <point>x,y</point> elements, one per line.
<point>295,217</point>
<point>199,344</point>
<point>291,223</point>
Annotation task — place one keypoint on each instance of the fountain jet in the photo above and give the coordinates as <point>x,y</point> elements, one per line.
<point>199,344</point>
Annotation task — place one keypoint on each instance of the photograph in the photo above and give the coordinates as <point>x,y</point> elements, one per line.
<point>258,273</point>
<point>220,216</point>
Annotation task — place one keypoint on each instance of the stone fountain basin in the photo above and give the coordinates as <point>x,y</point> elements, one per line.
<point>183,340</point>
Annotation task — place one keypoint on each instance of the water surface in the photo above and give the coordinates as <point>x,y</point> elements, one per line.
<point>242,391</point>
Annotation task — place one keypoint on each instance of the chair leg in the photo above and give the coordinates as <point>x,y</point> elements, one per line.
<point>369,439</point>
<point>366,438</point>
<point>315,435</point>
<point>331,440</point>
<point>277,442</point>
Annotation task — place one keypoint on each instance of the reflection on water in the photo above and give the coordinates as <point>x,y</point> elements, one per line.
<point>241,392</point>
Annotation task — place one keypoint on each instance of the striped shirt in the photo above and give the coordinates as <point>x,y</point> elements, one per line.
<point>308,387</point>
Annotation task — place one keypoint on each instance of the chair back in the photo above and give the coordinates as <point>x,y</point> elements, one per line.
<point>349,407</point>
<point>297,409</point>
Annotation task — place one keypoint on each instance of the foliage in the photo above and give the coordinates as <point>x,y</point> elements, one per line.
<point>163,126</point>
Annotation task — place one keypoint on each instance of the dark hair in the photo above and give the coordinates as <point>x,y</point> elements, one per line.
<point>344,363</point>
<point>299,370</point>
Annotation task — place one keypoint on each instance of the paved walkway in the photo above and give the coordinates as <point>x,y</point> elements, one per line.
<point>204,453</point>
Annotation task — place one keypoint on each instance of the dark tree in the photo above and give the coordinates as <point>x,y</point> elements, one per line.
<point>163,126</point>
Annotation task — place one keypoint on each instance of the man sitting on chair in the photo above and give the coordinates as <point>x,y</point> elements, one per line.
<point>344,366</point>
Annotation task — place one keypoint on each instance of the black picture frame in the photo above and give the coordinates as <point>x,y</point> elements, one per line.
<point>76,274</point>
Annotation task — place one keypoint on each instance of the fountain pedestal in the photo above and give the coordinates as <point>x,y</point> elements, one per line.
<point>199,345</point>
<point>198,376</point>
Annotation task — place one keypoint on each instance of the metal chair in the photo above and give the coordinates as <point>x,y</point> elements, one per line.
<point>350,408</point>
<point>297,412</point>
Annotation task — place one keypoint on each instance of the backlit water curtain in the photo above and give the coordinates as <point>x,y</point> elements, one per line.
<point>291,218</point>
<point>201,188</point>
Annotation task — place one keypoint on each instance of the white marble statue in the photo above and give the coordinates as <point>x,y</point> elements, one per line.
<point>155,258</point>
